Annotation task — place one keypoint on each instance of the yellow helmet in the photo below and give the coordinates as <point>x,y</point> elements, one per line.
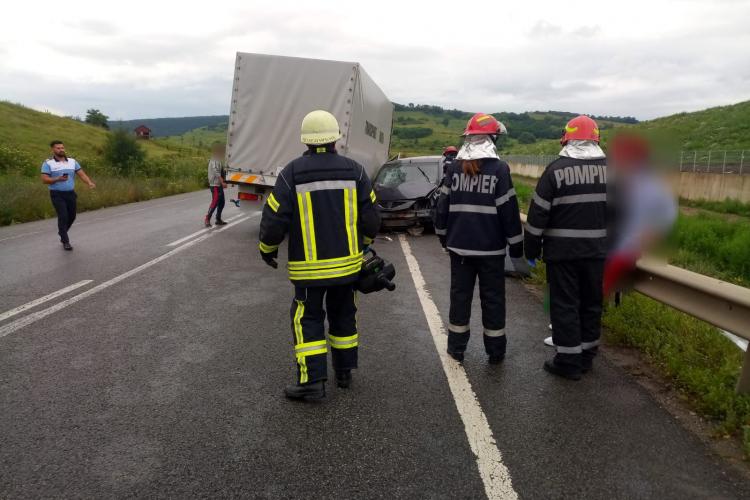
<point>320,127</point>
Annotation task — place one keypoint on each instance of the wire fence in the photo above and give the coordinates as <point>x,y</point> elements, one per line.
<point>713,162</point>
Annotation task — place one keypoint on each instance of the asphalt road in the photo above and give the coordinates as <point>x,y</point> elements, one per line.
<point>162,377</point>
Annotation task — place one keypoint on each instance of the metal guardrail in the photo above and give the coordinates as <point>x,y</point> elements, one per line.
<point>711,162</point>
<point>721,304</point>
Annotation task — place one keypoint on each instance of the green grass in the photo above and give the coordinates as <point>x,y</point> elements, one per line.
<point>727,206</point>
<point>24,144</point>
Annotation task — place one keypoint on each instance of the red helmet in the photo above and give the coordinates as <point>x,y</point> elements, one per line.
<point>450,150</point>
<point>580,128</point>
<point>483,124</point>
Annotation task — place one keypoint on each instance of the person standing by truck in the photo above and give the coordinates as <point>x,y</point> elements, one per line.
<point>58,173</point>
<point>326,204</point>
<point>477,218</point>
<point>217,184</point>
<point>567,226</point>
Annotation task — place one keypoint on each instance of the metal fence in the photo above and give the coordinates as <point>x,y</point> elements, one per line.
<point>713,162</point>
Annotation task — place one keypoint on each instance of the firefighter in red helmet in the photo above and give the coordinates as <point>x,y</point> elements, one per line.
<point>477,219</point>
<point>449,156</point>
<point>567,227</point>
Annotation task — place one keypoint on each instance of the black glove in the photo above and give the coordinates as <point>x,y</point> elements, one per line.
<point>270,258</point>
<point>442,240</point>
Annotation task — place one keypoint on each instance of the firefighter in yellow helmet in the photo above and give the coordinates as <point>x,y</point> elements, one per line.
<point>326,204</point>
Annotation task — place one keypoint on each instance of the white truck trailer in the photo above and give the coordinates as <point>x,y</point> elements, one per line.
<point>271,95</point>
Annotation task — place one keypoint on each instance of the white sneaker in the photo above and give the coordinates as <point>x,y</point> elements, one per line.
<point>548,341</point>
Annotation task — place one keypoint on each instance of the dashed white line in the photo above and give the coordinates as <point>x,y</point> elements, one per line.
<point>494,474</point>
<point>42,300</point>
<point>36,316</point>
<point>190,236</point>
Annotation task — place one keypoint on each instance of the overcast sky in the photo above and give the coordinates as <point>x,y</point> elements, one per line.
<point>152,59</point>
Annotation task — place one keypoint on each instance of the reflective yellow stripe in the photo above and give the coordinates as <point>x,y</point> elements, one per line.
<point>343,342</point>
<point>325,273</point>
<point>311,225</point>
<point>311,348</point>
<point>273,203</point>
<point>300,340</point>
<point>348,222</point>
<point>354,222</point>
<point>267,248</point>
<point>306,345</point>
<point>298,265</point>
<point>305,244</point>
<point>373,197</point>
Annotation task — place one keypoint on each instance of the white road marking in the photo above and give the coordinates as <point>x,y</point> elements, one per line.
<point>42,300</point>
<point>34,317</point>
<point>20,235</point>
<point>190,236</point>
<point>494,474</point>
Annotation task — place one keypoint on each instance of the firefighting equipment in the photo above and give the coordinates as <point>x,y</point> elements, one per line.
<point>580,128</point>
<point>483,124</point>
<point>376,274</point>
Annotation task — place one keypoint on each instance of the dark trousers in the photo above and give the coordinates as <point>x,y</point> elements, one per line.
<point>217,202</point>
<point>65,206</point>
<point>491,273</point>
<point>575,309</point>
<point>308,329</point>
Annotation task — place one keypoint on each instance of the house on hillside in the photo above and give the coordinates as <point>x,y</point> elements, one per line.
<point>142,132</point>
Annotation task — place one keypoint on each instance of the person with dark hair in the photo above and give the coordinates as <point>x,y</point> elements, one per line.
<point>58,173</point>
<point>217,184</point>
<point>326,204</point>
<point>477,218</point>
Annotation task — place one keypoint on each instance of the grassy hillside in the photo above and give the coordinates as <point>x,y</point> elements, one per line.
<point>25,135</point>
<point>164,127</point>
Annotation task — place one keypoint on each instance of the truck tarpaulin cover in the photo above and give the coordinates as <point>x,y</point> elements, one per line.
<point>271,95</point>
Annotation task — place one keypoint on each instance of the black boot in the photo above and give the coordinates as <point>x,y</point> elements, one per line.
<point>67,246</point>
<point>496,359</point>
<point>220,222</point>
<point>313,390</point>
<point>569,372</point>
<point>344,378</point>
<point>458,356</point>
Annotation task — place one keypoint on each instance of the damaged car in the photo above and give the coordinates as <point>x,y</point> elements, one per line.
<point>407,191</point>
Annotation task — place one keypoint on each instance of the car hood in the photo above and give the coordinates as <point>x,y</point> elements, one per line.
<point>406,191</point>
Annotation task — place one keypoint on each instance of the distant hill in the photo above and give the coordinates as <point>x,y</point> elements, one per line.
<point>164,127</point>
<point>30,132</point>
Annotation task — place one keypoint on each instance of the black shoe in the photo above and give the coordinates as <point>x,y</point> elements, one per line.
<point>587,365</point>
<point>344,378</point>
<point>496,359</point>
<point>314,390</point>
<point>67,246</point>
<point>220,222</point>
<point>458,356</point>
<point>562,371</point>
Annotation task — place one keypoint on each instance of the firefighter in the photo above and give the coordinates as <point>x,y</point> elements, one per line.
<point>449,156</point>
<point>567,227</point>
<point>326,204</point>
<point>477,218</point>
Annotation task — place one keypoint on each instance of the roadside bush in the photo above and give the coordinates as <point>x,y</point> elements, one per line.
<point>15,161</point>
<point>122,151</point>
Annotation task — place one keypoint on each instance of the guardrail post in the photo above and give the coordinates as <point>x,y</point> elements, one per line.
<point>681,155</point>
<point>743,384</point>
<point>742,159</point>
<point>695,159</point>
<point>708,162</point>
<point>724,164</point>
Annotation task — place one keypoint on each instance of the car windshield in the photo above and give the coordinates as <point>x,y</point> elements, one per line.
<point>395,174</point>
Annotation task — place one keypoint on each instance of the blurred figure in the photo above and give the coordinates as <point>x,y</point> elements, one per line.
<point>216,184</point>
<point>477,217</point>
<point>643,206</point>
<point>567,225</point>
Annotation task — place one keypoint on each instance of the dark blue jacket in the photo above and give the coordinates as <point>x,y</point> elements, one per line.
<point>478,215</point>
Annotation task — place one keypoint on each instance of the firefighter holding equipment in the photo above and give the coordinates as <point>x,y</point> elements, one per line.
<point>477,218</point>
<point>567,227</point>
<point>326,204</point>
